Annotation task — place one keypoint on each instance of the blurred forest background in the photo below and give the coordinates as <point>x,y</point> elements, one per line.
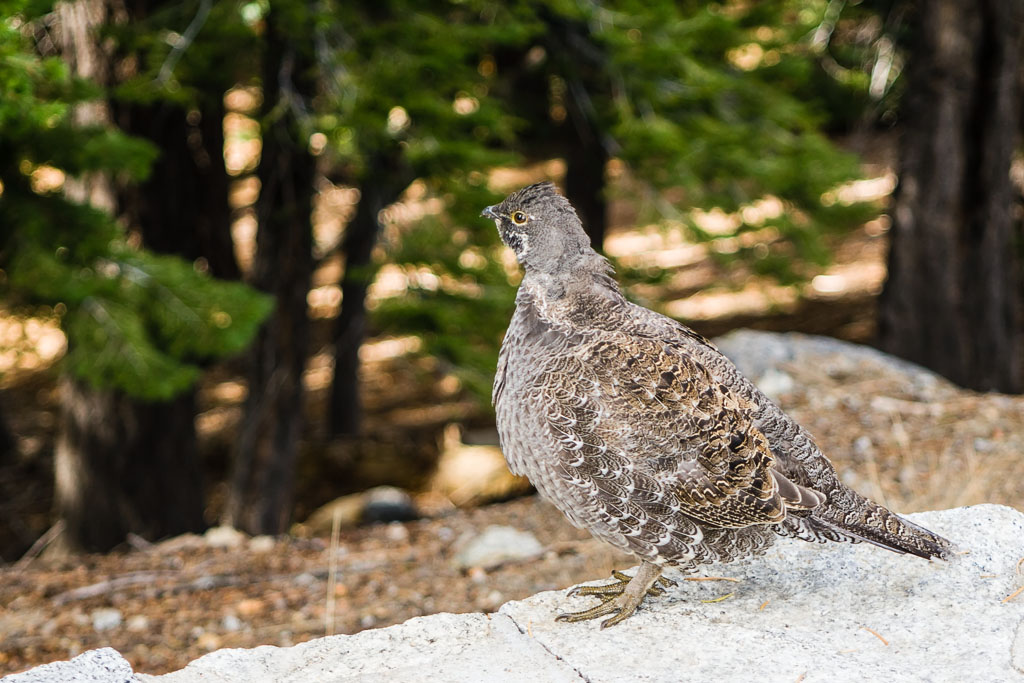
<point>243,270</point>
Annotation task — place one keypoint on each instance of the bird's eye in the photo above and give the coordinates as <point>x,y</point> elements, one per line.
<point>518,217</point>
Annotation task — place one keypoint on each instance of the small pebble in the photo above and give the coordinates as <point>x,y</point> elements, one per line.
<point>862,445</point>
<point>105,619</point>
<point>261,544</point>
<point>137,622</point>
<point>250,606</point>
<point>231,623</point>
<point>397,533</point>
<point>209,641</point>
<point>224,537</point>
<point>305,579</point>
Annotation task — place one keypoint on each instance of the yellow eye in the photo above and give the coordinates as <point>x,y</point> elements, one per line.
<point>518,217</point>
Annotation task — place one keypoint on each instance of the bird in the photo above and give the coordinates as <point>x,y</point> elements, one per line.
<point>639,430</point>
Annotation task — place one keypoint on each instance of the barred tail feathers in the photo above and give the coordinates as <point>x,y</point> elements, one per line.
<point>848,516</point>
<point>890,531</point>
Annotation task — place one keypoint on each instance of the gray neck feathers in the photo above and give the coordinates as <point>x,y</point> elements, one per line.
<point>585,273</point>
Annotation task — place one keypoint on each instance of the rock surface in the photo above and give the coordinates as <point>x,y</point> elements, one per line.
<point>496,545</point>
<point>763,356</point>
<point>104,665</point>
<point>801,612</point>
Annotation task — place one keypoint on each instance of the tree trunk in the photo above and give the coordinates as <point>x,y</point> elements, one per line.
<point>120,470</point>
<point>79,23</point>
<point>583,64</point>
<point>8,445</point>
<point>953,295</point>
<point>123,465</point>
<point>586,158</point>
<point>260,497</point>
<point>383,184</point>
<point>183,207</point>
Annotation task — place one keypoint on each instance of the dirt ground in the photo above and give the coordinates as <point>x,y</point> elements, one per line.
<point>166,605</point>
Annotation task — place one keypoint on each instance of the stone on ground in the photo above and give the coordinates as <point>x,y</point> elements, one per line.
<point>495,546</point>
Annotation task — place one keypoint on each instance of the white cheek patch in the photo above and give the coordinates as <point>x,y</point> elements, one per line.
<point>519,242</point>
<point>524,247</point>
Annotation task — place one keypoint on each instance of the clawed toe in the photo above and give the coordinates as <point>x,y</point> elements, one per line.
<point>619,606</point>
<point>607,590</point>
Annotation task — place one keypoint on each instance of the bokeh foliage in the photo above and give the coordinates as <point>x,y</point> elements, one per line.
<point>136,322</point>
<point>722,103</point>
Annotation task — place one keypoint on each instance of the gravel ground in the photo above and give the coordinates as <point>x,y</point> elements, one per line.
<point>166,605</point>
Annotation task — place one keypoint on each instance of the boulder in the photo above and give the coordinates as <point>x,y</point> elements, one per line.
<point>104,665</point>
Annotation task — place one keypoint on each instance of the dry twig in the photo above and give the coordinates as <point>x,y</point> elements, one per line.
<point>876,635</point>
<point>40,544</point>
<point>1014,594</point>
<point>332,573</point>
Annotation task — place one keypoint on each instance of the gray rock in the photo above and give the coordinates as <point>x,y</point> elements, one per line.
<point>104,665</point>
<point>496,546</point>
<point>442,647</point>
<point>818,613</point>
<point>801,612</point>
<point>759,355</point>
<point>774,383</point>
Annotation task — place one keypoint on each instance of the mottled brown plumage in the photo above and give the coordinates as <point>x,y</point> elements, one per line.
<point>641,432</point>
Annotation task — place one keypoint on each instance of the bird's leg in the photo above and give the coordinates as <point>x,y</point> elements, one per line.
<point>622,580</point>
<point>621,598</point>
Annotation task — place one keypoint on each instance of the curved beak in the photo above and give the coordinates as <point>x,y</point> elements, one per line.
<point>490,212</point>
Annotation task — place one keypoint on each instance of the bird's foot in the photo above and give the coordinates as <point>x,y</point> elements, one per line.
<point>622,597</point>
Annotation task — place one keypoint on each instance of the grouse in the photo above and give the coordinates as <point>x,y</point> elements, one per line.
<point>639,430</point>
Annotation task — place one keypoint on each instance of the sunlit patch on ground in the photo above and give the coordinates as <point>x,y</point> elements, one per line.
<point>28,344</point>
<point>863,190</point>
<point>386,349</point>
<point>762,298</point>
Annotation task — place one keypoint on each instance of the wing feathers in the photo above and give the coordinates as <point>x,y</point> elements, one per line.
<point>797,497</point>
<point>637,411</point>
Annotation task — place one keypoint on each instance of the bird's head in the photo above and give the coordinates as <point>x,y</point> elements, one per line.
<point>541,227</point>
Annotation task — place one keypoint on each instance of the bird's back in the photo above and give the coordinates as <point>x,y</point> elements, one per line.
<point>846,514</point>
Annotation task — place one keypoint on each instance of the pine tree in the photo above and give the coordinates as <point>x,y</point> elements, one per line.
<point>721,103</point>
<point>952,300</point>
<point>140,326</point>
